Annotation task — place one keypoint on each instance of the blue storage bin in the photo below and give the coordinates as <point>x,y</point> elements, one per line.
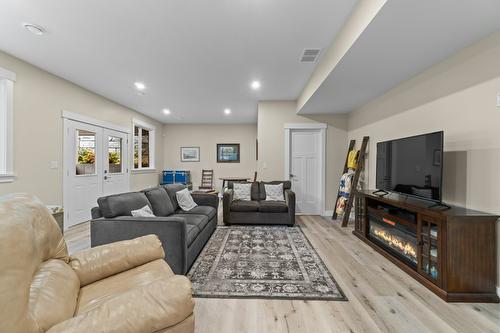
<point>168,177</point>
<point>182,176</point>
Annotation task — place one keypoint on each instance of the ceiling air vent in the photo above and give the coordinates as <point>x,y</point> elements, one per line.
<point>310,55</point>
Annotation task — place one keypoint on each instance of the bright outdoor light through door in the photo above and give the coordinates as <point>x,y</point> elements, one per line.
<point>85,148</point>
<point>114,154</point>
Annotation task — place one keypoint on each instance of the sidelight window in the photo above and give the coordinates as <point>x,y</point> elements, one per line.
<point>143,146</point>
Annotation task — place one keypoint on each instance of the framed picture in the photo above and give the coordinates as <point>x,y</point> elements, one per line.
<point>190,154</point>
<point>228,153</point>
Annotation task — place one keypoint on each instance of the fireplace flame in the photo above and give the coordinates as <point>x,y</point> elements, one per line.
<point>405,247</point>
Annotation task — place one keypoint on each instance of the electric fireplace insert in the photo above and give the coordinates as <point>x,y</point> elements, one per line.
<point>394,235</point>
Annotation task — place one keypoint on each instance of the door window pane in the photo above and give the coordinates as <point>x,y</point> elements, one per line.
<point>85,148</point>
<point>136,147</point>
<point>115,154</point>
<point>145,148</point>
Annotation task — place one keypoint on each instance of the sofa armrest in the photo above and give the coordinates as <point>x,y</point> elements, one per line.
<point>96,213</point>
<point>206,199</point>
<point>155,307</point>
<point>290,202</point>
<point>171,231</point>
<point>226,204</point>
<point>100,262</point>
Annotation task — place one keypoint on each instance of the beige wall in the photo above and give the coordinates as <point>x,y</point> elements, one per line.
<point>457,96</point>
<point>271,134</point>
<point>39,98</point>
<point>207,137</point>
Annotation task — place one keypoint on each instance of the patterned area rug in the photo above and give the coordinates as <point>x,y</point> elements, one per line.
<point>262,262</point>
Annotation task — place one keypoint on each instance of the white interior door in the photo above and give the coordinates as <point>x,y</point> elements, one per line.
<point>116,170</point>
<point>305,170</point>
<point>95,164</point>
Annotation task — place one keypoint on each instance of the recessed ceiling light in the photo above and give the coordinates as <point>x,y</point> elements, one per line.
<point>139,86</point>
<point>227,111</point>
<point>34,29</point>
<point>255,85</point>
<point>166,111</point>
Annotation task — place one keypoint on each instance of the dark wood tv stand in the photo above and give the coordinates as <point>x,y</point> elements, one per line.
<point>453,252</point>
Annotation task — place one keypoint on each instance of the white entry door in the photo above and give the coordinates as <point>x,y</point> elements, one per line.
<point>95,164</point>
<point>116,175</point>
<point>305,170</point>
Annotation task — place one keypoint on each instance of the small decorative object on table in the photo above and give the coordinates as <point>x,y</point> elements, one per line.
<point>58,214</point>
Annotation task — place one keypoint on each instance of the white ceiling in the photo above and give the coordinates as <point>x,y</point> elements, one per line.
<point>196,57</point>
<point>404,39</point>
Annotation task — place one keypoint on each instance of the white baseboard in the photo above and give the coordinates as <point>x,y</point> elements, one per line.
<point>327,213</point>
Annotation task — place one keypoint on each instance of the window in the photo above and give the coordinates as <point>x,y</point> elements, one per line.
<point>114,154</point>
<point>7,79</point>
<point>85,146</point>
<point>144,137</point>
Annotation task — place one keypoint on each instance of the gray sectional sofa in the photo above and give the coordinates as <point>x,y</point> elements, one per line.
<point>259,210</point>
<point>183,234</point>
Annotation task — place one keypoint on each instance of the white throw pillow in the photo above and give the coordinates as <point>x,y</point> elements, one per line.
<point>143,212</point>
<point>274,192</point>
<point>185,200</point>
<point>242,191</point>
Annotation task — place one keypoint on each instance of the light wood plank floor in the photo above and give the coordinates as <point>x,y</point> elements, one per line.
<point>382,298</point>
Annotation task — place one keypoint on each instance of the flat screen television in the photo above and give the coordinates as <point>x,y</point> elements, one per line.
<point>412,166</point>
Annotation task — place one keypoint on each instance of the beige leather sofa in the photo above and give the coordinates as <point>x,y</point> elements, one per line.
<point>123,287</point>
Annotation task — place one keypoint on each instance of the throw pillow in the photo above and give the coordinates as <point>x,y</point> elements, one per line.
<point>142,212</point>
<point>185,200</point>
<point>242,191</point>
<point>274,192</point>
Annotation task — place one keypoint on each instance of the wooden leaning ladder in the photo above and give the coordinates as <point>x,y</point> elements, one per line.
<point>354,183</point>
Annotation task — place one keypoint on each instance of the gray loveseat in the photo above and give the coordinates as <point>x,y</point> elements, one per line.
<point>183,234</point>
<point>259,210</point>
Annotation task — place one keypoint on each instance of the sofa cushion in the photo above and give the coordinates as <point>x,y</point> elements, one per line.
<point>143,212</point>
<point>160,306</point>
<point>172,189</point>
<point>160,201</point>
<point>274,192</point>
<point>185,200</point>
<point>262,191</point>
<point>273,207</point>
<point>254,189</point>
<point>241,191</point>
<point>94,294</point>
<point>122,204</point>
<point>199,221</point>
<point>192,232</point>
<point>208,211</point>
<point>244,206</point>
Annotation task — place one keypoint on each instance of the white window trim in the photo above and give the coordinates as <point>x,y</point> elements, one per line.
<point>7,79</point>
<point>152,145</point>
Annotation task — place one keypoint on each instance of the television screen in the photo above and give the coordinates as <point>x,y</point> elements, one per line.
<point>412,165</point>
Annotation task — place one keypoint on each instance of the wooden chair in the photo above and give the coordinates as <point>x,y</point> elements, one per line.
<point>207,180</point>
